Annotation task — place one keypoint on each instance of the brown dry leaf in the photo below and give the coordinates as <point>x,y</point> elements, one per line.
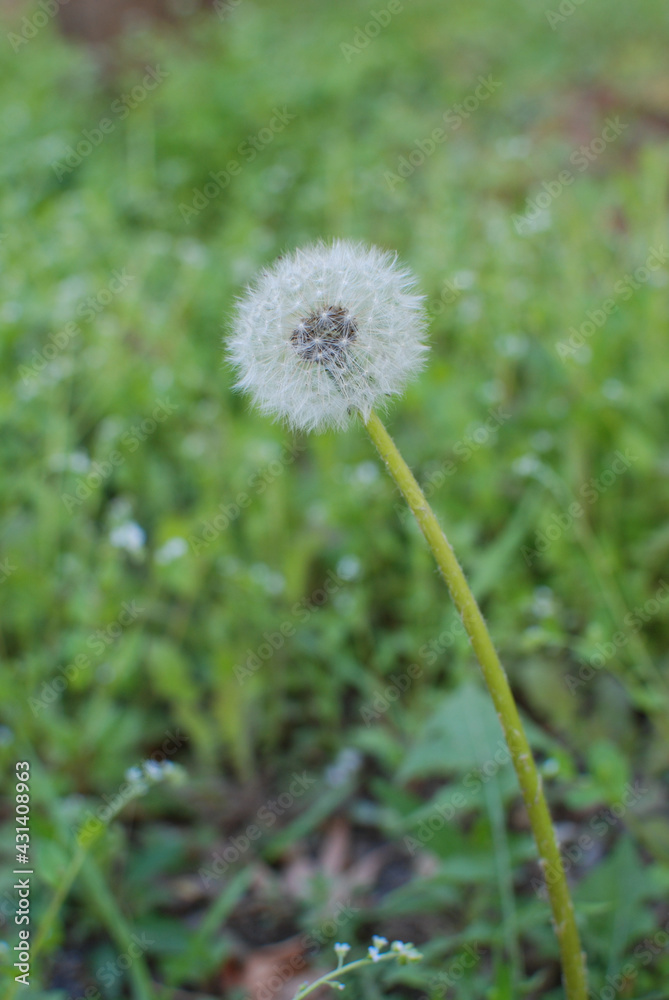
<point>334,862</point>
<point>297,877</point>
<point>361,875</point>
<point>333,855</point>
<point>276,970</point>
<point>336,847</point>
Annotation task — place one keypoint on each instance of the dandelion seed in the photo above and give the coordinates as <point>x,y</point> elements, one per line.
<point>326,332</point>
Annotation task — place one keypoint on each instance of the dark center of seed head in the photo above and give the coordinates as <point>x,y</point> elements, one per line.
<point>325,335</point>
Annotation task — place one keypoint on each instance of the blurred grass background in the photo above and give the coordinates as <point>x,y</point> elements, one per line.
<point>504,431</point>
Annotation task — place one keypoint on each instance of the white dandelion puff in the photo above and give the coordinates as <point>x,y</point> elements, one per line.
<point>328,331</point>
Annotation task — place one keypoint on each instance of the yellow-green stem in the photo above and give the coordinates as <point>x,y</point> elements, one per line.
<point>573,959</point>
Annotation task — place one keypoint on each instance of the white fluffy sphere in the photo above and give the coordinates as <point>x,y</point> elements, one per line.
<point>328,331</point>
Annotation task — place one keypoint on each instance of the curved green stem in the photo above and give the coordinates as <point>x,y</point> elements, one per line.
<point>573,959</point>
<point>331,978</point>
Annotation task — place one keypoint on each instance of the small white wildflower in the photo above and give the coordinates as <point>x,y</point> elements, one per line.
<point>373,954</point>
<point>327,331</point>
<point>379,942</point>
<point>341,950</point>
<point>153,770</point>
<point>173,549</point>
<point>405,952</point>
<point>345,766</point>
<point>136,780</point>
<point>400,948</point>
<point>526,465</point>
<point>74,461</point>
<point>164,770</point>
<point>270,581</point>
<point>366,473</point>
<point>10,312</point>
<point>613,389</point>
<point>129,536</point>
<point>348,567</point>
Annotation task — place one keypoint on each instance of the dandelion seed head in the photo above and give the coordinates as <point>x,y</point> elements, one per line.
<point>328,331</point>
